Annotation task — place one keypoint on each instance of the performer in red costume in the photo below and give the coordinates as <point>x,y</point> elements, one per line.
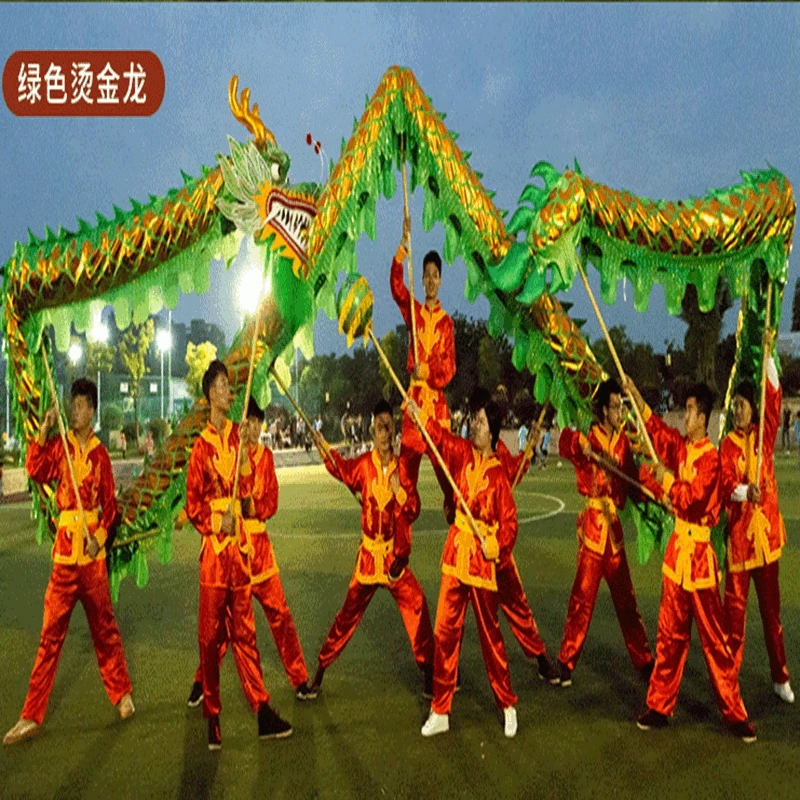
<point>389,506</point>
<point>510,593</point>
<point>756,533</point>
<point>436,364</point>
<point>688,480</point>
<point>260,484</point>
<point>226,609</point>
<point>79,564</point>
<point>601,550</point>
<point>469,561</point>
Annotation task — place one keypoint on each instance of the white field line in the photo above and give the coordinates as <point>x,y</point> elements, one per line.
<point>438,531</point>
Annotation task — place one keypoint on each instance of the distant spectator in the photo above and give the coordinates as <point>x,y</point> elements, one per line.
<point>544,446</point>
<point>523,436</point>
<point>797,433</point>
<point>123,445</point>
<point>785,438</point>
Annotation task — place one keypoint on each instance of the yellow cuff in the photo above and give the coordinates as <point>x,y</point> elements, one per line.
<point>400,255</point>
<point>424,370</point>
<point>216,522</point>
<point>101,534</point>
<point>647,412</point>
<point>666,484</point>
<point>401,496</point>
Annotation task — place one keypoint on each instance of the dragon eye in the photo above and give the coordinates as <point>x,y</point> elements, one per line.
<point>276,172</point>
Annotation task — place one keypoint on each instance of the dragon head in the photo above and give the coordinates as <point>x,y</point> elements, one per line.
<point>258,197</point>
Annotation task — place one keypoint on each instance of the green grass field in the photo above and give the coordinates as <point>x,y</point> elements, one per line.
<point>361,737</point>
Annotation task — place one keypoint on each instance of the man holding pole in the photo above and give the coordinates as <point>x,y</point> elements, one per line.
<point>389,505</point>
<point>756,533</point>
<point>431,356</point>
<point>79,563</point>
<point>688,480</point>
<point>225,587</point>
<point>260,488</point>
<point>510,592</point>
<point>482,536</point>
<point>601,549</point>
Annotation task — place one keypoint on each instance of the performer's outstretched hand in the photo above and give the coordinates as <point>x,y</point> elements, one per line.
<point>92,547</point>
<point>754,493</point>
<point>413,410</point>
<point>50,419</point>
<point>397,567</point>
<point>406,233</point>
<point>630,387</point>
<point>227,523</point>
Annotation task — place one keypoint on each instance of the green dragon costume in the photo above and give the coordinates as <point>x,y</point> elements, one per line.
<point>145,258</point>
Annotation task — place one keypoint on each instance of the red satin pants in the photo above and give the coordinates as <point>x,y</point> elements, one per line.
<point>737,587</point>
<point>228,612</point>
<point>678,608</point>
<point>270,594</point>
<point>591,569</point>
<point>454,597</point>
<point>518,612</point>
<point>411,603</point>
<point>68,584</point>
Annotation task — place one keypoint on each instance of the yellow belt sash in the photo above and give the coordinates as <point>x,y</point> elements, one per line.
<point>70,521</point>
<point>379,548</point>
<point>218,507</point>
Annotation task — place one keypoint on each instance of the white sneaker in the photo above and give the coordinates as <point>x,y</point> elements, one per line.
<point>24,729</point>
<point>125,706</point>
<point>436,723</point>
<point>510,722</point>
<point>784,691</point>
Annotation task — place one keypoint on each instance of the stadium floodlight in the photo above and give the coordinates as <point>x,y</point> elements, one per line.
<point>75,353</point>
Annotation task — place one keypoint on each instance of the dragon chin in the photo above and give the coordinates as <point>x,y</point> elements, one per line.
<point>288,217</point>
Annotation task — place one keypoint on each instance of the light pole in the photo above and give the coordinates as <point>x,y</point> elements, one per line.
<point>163,342</point>
<point>169,361</point>
<point>74,354</point>
<point>99,335</point>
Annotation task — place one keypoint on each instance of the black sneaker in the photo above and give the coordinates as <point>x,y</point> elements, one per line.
<point>306,692</point>
<point>646,671</point>
<point>651,720</point>
<point>214,734</point>
<point>270,725</point>
<point>547,672</point>
<point>565,675</point>
<point>196,695</point>
<point>427,686</point>
<point>744,731</point>
<point>458,680</point>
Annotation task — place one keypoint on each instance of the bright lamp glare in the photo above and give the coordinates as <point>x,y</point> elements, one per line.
<point>251,285</point>
<point>75,353</point>
<point>99,333</point>
<point>163,340</point>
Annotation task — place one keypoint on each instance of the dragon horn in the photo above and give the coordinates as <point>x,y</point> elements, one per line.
<point>250,118</point>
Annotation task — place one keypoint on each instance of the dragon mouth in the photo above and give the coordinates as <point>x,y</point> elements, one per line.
<point>291,218</point>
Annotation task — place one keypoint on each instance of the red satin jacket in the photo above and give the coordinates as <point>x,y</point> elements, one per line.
<point>606,493</point>
<point>693,490</point>
<point>485,487</point>
<point>386,519</point>
<point>209,488</point>
<point>95,480</point>
<point>756,534</point>
<point>436,349</point>
<point>260,483</point>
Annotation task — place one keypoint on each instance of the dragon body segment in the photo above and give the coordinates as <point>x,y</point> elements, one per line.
<point>307,233</point>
